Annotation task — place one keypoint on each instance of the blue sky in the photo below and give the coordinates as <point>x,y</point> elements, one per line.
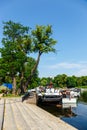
<point>69,23</point>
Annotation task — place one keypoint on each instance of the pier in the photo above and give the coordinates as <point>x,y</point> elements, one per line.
<point>18,115</point>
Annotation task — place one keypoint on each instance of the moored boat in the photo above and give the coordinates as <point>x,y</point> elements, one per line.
<point>68,105</point>
<point>69,100</point>
<point>48,95</point>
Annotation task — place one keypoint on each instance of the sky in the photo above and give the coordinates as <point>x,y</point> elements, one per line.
<point>69,24</point>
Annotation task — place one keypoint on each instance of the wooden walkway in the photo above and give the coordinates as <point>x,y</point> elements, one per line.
<point>23,116</point>
<point>1,112</point>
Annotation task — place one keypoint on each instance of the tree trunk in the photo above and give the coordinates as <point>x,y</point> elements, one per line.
<point>22,83</point>
<point>14,85</point>
<point>33,70</point>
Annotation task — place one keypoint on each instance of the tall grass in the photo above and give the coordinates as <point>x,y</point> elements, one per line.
<point>81,86</point>
<point>84,96</point>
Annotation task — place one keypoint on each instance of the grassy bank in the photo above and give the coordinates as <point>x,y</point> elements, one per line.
<point>84,96</point>
<point>82,87</point>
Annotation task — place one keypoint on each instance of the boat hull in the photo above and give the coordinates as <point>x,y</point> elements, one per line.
<point>49,99</point>
<point>69,100</point>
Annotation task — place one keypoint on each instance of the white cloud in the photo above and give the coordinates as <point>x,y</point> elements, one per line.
<point>66,65</point>
<point>78,69</point>
<point>82,72</point>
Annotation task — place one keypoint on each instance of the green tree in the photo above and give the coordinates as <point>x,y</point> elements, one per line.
<point>79,81</point>
<point>16,44</point>
<point>28,67</point>
<point>60,80</point>
<point>84,80</point>
<point>3,71</point>
<point>71,82</point>
<point>27,70</point>
<point>43,81</point>
<point>42,43</point>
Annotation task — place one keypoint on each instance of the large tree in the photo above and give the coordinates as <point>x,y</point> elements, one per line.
<point>26,72</point>
<point>42,43</point>
<point>16,44</point>
<point>61,80</point>
<point>71,82</point>
<point>3,70</point>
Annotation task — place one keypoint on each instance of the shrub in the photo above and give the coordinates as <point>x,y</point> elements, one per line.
<point>3,89</point>
<point>84,96</point>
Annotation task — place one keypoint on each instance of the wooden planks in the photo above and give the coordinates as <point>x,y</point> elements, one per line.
<point>1,113</point>
<point>23,116</point>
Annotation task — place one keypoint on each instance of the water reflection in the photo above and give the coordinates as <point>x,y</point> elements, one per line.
<point>80,121</point>
<point>64,110</point>
<point>72,105</point>
<point>78,112</point>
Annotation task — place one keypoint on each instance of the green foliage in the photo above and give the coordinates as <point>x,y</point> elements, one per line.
<point>65,81</point>
<point>82,86</point>
<point>34,83</point>
<point>3,89</point>
<point>42,40</point>
<point>42,43</point>
<point>60,80</point>
<point>44,82</point>
<point>71,82</point>
<point>17,44</point>
<point>9,95</point>
<point>3,71</point>
<point>84,96</point>
<point>29,66</point>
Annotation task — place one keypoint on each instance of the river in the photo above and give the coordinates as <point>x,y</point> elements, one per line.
<point>80,120</point>
<point>75,115</point>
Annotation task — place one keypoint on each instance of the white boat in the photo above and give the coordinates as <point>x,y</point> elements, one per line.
<point>49,95</point>
<point>74,92</point>
<point>68,105</point>
<point>69,100</point>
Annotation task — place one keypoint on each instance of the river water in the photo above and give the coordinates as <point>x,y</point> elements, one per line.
<point>80,120</point>
<point>75,115</point>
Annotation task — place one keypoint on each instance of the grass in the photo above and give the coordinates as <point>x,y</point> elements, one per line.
<point>84,96</point>
<point>82,87</point>
<point>11,95</point>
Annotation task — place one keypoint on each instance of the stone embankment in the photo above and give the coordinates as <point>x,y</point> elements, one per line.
<point>20,115</point>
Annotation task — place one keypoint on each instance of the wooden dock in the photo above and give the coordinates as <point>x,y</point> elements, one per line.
<point>18,115</point>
